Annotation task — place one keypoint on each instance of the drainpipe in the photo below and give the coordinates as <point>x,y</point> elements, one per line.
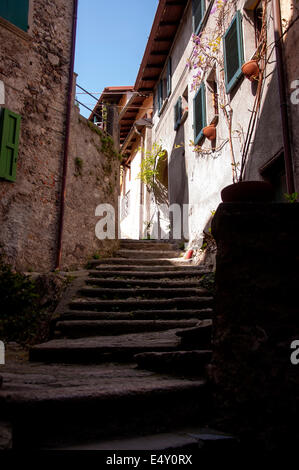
<point>67,137</point>
<point>283,98</point>
<point>141,183</point>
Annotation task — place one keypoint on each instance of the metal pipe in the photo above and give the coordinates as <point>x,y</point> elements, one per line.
<point>67,136</point>
<point>283,98</point>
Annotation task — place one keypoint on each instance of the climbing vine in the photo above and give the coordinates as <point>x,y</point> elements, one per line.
<point>148,167</point>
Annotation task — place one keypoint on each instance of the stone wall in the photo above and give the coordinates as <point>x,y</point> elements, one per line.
<point>92,179</point>
<point>256,320</point>
<point>34,68</point>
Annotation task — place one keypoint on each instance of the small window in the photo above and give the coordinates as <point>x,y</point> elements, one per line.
<point>177,113</point>
<point>258,22</point>
<point>169,73</point>
<point>198,11</point>
<point>199,111</point>
<point>233,52</point>
<point>9,143</point>
<point>160,95</point>
<point>274,172</point>
<point>16,12</point>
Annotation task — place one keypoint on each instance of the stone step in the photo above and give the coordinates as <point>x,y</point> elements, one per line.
<point>202,314</point>
<point>200,335</point>
<point>182,362</point>
<point>145,245</point>
<point>141,292</point>
<point>197,441</point>
<point>145,254</point>
<point>79,328</point>
<point>99,349</point>
<point>149,273</point>
<point>131,305</point>
<point>156,262</point>
<point>99,404</point>
<point>113,283</point>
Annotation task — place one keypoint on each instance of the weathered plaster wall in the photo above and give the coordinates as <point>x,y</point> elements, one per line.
<point>92,179</point>
<point>197,179</point>
<point>289,12</point>
<point>34,70</point>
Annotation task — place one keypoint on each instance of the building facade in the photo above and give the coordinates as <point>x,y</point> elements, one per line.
<point>193,68</point>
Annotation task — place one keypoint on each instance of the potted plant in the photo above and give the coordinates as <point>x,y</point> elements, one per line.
<point>251,70</point>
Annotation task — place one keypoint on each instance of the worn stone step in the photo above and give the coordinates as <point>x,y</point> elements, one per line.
<point>202,314</point>
<point>200,335</point>
<point>131,305</point>
<point>197,441</point>
<point>145,245</point>
<point>183,362</point>
<point>152,293</point>
<point>156,262</point>
<point>99,349</point>
<point>131,283</point>
<point>147,272</point>
<point>145,254</point>
<point>99,403</point>
<point>79,328</point>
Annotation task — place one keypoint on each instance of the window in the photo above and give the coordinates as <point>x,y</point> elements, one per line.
<point>177,113</point>
<point>212,97</point>
<point>16,12</point>
<point>160,95</point>
<point>168,80</point>
<point>233,52</point>
<point>274,172</point>
<point>9,136</point>
<point>199,112</point>
<point>198,11</point>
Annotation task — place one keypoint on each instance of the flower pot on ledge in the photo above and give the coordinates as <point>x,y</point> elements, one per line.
<point>248,191</point>
<point>210,132</point>
<point>251,70</point>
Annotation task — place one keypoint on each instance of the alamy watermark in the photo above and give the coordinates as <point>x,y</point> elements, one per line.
<point>177,215</point>
<point>295,93</point>
<point>295,353</point>
<point>2,353</point>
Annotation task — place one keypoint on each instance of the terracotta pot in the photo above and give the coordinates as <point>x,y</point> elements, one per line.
<point>210,132</point>
<point>251,70</point>
<point>248,191</point>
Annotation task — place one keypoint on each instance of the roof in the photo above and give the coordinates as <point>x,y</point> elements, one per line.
<point>165,26</point>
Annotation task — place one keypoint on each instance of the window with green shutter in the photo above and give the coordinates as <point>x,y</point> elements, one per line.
<point>9,143</point>
<point>199,113</point>
<point>233,52</point>
<point>16,12</point>
<point>169,73</point>
<point>177,113</point>
<point>198,11</point>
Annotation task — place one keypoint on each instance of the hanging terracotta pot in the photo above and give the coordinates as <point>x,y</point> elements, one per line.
<point>251,70</point>
<point>210,132</point>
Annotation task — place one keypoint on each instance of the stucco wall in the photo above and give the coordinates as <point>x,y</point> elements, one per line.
<point>197,179</point>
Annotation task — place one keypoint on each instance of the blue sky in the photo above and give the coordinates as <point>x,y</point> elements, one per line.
<point>111,39</point>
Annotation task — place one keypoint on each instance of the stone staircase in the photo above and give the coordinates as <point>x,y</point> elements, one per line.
<point>128,357</point>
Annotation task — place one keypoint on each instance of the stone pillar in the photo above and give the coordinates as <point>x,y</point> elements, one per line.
<point>256,319</point>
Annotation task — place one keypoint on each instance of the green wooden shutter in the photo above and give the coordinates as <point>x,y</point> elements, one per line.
<point>198,11</point>
<point>10,130</point>
<point>233,52</point>
<point>169,73</point>
<point>199,113</point>
<point>177,113</point>
<point>16,12</point>
<point>160,95</point>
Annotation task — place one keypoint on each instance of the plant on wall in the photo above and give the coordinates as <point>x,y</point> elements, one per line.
<point>206,54</point>
<point>148,167</point>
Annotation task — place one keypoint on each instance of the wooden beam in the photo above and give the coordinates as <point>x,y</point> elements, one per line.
<point>159,53</point>
<point>169,23</point>
<point>153,66</point>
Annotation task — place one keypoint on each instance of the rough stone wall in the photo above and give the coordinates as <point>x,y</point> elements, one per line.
<point>92,179</point>
<point>256,320</point>
<point>34,68</point>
